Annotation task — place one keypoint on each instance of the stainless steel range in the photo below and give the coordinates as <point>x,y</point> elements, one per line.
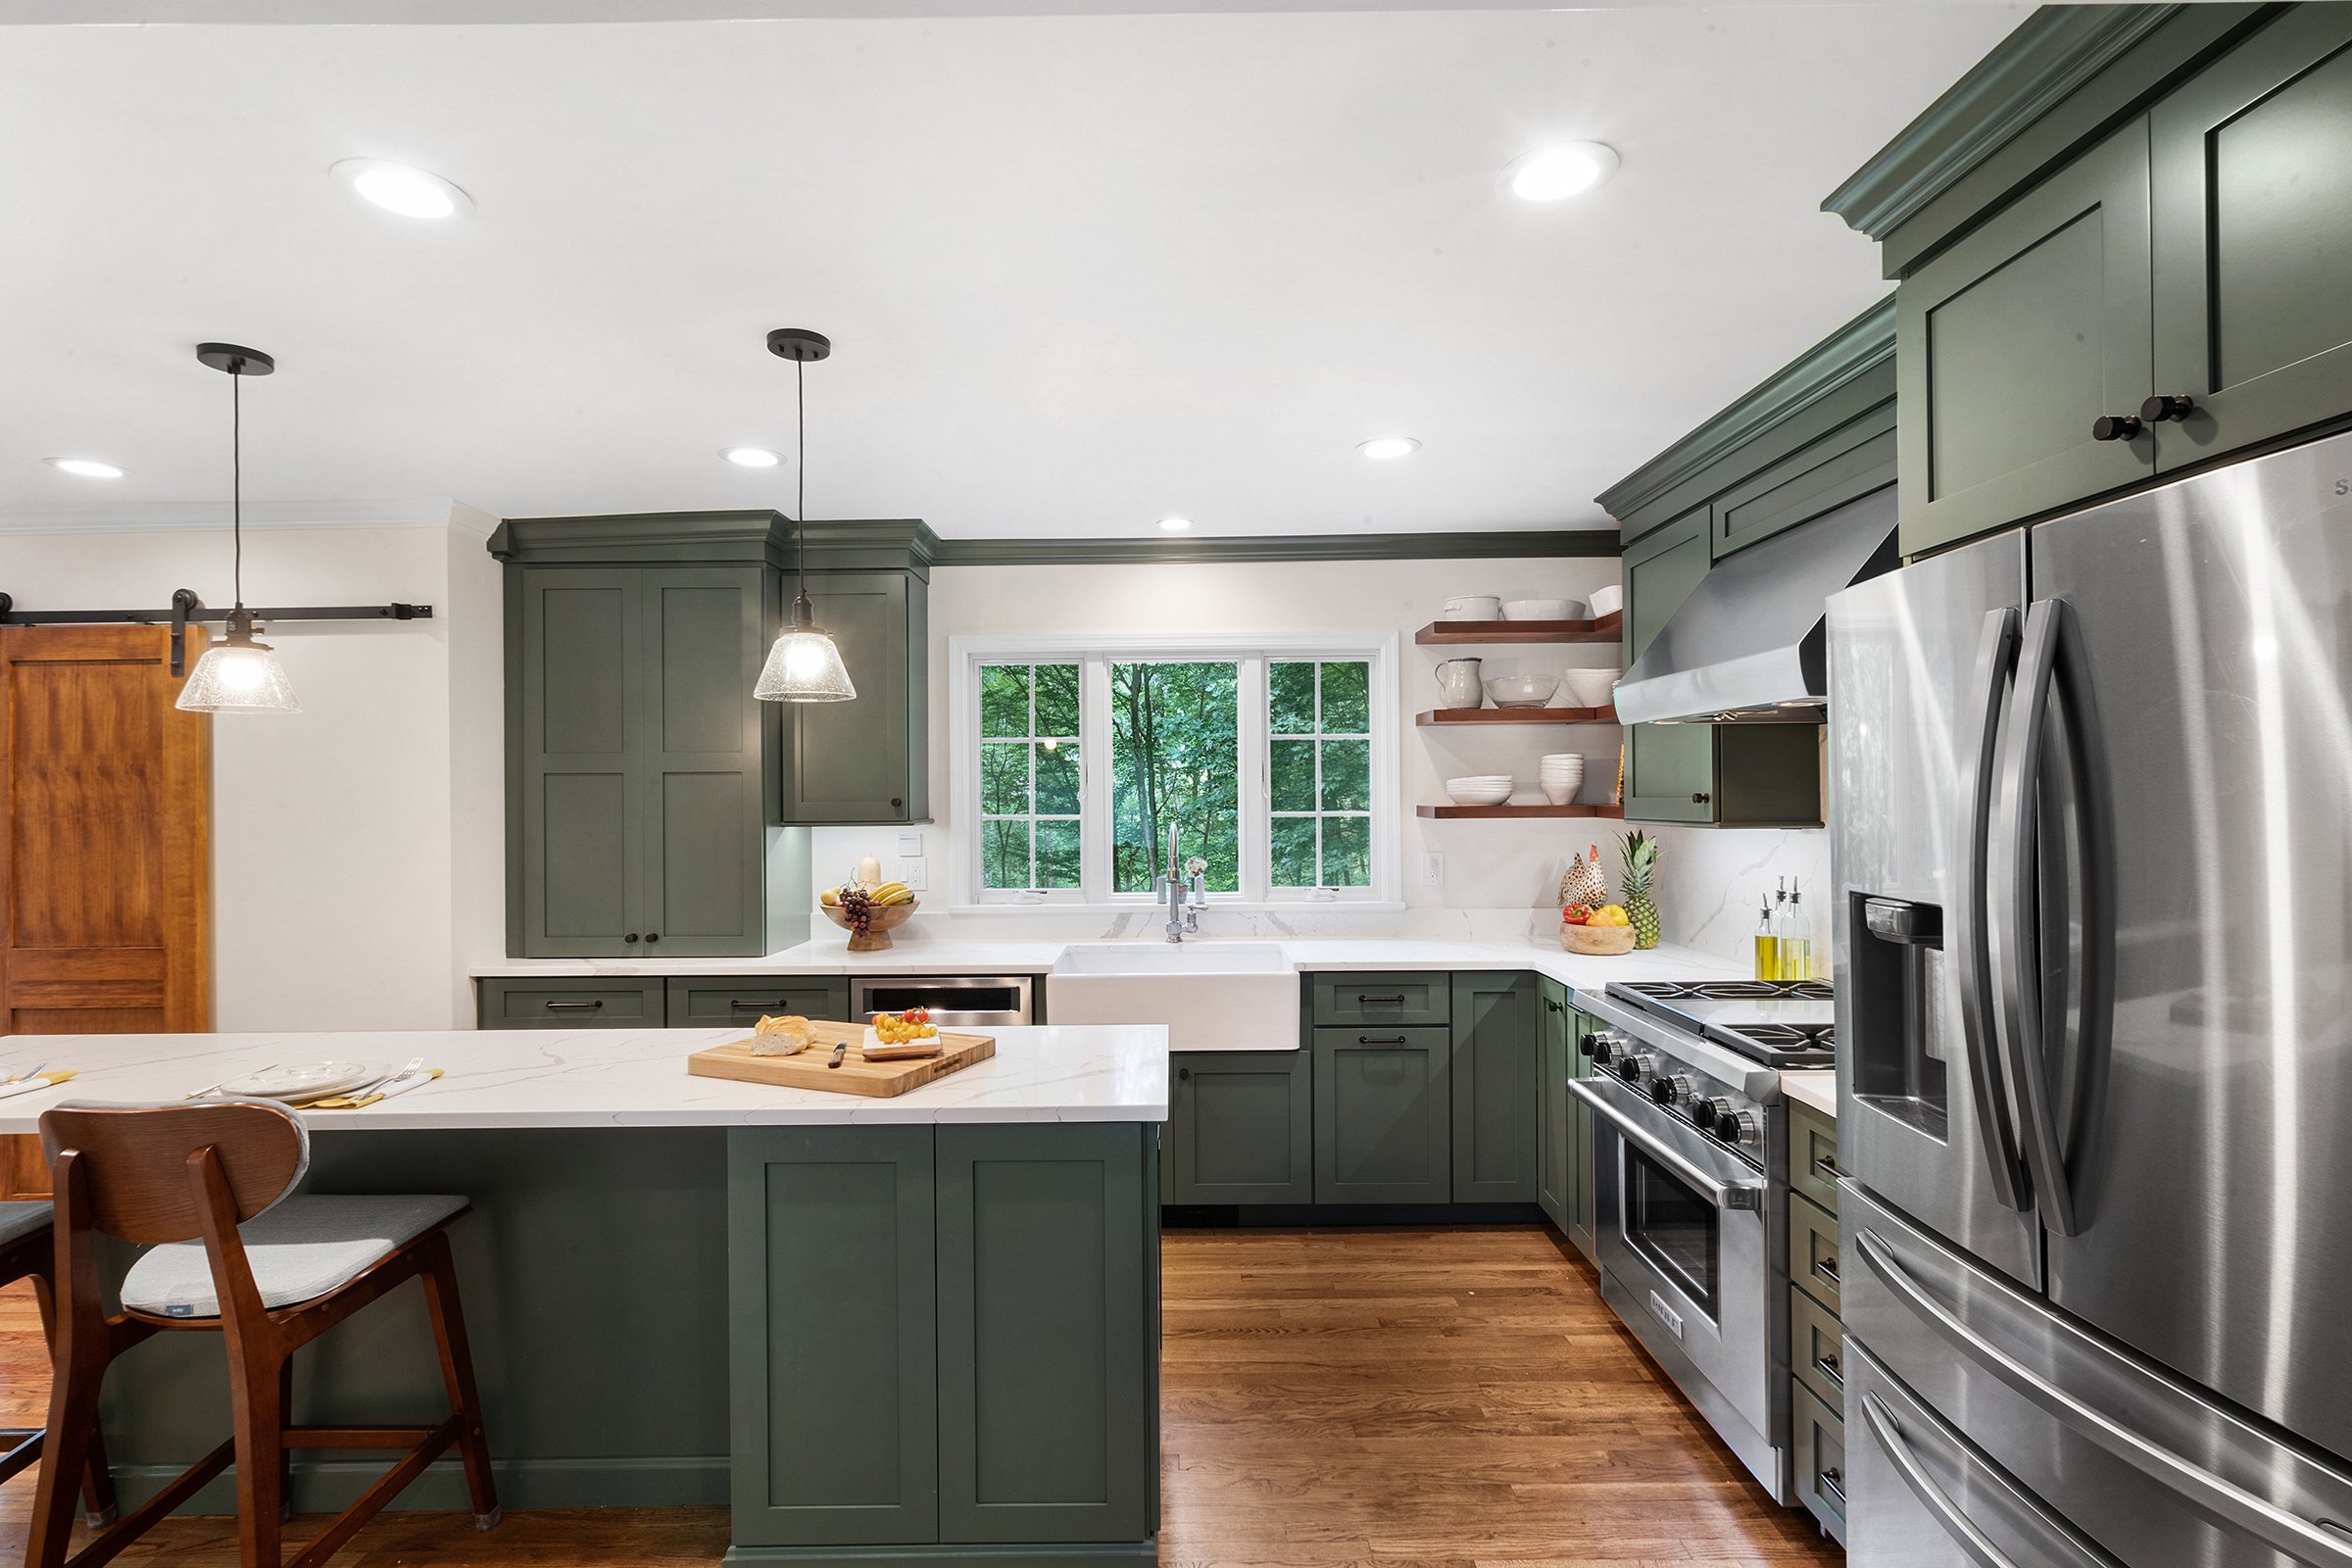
<point>1691,1172</point>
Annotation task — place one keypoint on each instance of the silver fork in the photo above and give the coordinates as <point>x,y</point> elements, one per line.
<point>364,1089</point>
<point>17,1078</point>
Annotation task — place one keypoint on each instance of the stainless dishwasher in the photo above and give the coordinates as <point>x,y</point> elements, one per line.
<point>953,999</point>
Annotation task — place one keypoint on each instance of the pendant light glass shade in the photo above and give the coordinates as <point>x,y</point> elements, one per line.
<point>804,666</point>
<point>238,676</point>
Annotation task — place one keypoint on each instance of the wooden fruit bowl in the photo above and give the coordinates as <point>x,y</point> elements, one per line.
<point>878,930</point>
<point>1598,940</point>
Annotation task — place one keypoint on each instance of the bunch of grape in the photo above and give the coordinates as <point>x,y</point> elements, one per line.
<point>859,905</point>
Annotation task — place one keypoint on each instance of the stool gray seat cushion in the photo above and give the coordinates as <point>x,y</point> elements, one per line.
<point>300,1250</point>
<point>22,1220</point>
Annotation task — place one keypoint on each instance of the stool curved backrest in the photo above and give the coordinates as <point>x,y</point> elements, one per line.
<point>133,1165</point>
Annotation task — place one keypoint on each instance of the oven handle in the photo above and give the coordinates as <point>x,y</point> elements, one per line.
<point>1716,1191</point>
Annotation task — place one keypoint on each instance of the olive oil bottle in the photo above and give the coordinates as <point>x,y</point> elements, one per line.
<point>1768,945</point>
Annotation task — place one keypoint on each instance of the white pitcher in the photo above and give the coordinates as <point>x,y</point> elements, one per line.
<point>1458,679</point>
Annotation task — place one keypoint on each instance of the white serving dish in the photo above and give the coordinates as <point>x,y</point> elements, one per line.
<point>1520,690</point>
<point>1591,688</point>
<point>1463,792</point>
<point>298,1081</point>
<point>1543,610</point>
<point>1607,601</point>
<point>1472,607</point>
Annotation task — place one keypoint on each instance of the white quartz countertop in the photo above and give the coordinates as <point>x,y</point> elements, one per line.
<point>512,1078</point>
<point>1816,1087</point>
<point>1306,955</point>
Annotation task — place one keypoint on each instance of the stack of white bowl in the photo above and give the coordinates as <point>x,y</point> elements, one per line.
<point>1562,777</point>
<point>1482,789</point>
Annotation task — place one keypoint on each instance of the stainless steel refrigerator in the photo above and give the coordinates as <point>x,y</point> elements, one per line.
<point>2091,808</point>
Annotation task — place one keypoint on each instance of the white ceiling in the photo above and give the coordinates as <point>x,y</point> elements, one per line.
<point>1081,272</point>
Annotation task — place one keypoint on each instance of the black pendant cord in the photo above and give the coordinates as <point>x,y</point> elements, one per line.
<point>236,486</point>
<point>801,607</point>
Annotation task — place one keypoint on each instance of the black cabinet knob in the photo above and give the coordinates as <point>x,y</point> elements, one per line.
<point>653,936</point>
<point>2114,427</point>
<point>1183,1075</point>
<point>2168,406</point>
<point>631,937</point>
<point>897,801</point>
<point>1701,797</point>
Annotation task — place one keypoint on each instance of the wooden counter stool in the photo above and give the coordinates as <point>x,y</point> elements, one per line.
<point>29,1251</point>
<point>205,1186</point>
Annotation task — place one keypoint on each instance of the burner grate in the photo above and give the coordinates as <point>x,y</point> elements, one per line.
<point>1733,990</point>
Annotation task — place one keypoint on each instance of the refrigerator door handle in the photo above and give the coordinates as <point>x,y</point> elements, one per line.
<point>1962,1528</point>
<point>1997,657</point>
<point>2288,1534</point>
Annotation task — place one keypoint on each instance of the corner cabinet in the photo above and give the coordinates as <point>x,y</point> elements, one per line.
<point>866,759</point>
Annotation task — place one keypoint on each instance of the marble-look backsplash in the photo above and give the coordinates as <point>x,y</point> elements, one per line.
<point>1711,879</point>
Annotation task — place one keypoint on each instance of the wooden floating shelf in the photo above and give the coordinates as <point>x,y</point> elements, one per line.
<point>1442,717</point>
<point>1481,813</point>
<point>1458,633</point>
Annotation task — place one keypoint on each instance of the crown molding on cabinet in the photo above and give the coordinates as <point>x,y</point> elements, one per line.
<point>1465,546</point>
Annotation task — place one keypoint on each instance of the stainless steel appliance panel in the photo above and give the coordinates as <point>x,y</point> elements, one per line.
<point>1913,685</point>
<point>956,1000</point>
<point>2153,1469</point>
<point>2206,1149</point>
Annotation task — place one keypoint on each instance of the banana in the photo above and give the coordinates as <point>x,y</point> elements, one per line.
<point>893,892</point>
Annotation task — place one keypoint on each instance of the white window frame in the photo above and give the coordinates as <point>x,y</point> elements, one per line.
<point>1094,655</point>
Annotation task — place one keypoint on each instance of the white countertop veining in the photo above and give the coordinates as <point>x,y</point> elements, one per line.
<point>521,1078</point>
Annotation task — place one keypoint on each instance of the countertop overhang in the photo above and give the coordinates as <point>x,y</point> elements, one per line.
<point>527,1078</point>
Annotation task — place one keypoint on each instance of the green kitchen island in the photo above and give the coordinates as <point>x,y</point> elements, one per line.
<point>920,1330</point>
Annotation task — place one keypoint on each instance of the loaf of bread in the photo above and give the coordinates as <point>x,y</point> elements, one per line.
<point>781,1037</point>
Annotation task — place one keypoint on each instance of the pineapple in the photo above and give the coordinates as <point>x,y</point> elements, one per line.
<point>1582,883</point>
<point>1641,873</point>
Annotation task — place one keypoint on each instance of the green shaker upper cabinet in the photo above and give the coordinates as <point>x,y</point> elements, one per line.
<point>575,696</point>
<point>866,759</point>
<point>1669,768</point>
<point>1555,1189</point>
<point>2252,212</point>
<point>706,829</point>
<point>1498,1049</point>
<point>2016,342</point>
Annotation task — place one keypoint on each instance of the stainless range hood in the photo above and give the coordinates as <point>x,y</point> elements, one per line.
<point>1750,645</point>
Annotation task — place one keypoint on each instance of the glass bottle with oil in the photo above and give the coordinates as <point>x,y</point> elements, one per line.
<point>1768,944</point>
<point>1796,939</point>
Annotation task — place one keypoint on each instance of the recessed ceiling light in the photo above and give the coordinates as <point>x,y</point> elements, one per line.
<point>398,188</point>
<point>1389,448</point>
<point>752,457</point>
<point>87,468</point>
<point>1565,168</point>
<point>1175,524</point>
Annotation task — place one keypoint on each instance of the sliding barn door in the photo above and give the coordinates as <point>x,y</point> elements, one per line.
<point>105,843</point>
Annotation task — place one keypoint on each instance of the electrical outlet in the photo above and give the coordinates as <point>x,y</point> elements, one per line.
<point>1432,868</point>
<point>915,871</point>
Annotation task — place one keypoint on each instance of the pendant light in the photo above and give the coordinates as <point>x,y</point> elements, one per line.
<point>804,665</point>
<point>237,675</point>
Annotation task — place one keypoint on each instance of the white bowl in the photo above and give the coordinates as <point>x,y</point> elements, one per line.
<point>1549,771</point>
<point>1607,601</point>
<point>1543,610</point>
<point>1562,790</point>
<point>1520,690</point>
<point>1477,781</point>
<point>1479,794</point>
<point>1591,688</point>
<point>1472,607</point>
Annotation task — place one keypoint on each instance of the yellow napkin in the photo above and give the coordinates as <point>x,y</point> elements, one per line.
<point>347,1103</point>
<point>39,1080</point>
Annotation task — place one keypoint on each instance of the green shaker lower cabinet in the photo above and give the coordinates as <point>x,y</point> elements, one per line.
<point>716,1002</point>
<point>944,1339</point>
<point>1555,1187</point>
<point>526,1002</point>
<point>1584,1201</point>
<point>1384,1121</point>
<point>1496,1045</point>
<point>1240,1128</point>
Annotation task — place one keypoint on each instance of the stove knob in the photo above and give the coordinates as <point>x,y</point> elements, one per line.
<point>1600,1044</point>
<point>1675,1089</point>
<point>1640,1071</point>
<point>1704,1112</point>
<point>1734,1126</point>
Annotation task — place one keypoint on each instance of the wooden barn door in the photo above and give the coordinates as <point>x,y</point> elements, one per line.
<point>105,843</point>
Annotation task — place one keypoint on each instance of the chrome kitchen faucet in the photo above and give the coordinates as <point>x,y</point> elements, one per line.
<point>1184,894</point>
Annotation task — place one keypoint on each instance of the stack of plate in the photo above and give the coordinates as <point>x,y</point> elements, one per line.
<point>1562,776</point>
<point>1484,789</point>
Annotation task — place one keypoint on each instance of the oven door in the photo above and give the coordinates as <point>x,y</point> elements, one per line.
<point>1685,1261</point>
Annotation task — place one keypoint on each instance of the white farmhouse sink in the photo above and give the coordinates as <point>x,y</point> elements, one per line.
<point>1213,995</point>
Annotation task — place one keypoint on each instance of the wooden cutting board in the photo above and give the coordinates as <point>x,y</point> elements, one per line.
<point>854,1076</point>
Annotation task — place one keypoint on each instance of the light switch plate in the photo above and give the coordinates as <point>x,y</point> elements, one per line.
<point>915,871</point>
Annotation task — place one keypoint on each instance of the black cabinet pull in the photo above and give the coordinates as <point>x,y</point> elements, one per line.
<point>1397,1001</point>
<point>1828,1271</point>
<point>741,1005</point>
<point>631,937</point>
<point>1701,797</point>
<point>1827,1366</point>
<point>1826,1164</point>
<point>2168,406</point>
<point>653,936</point>
<point>1367,1039</point>
<point>553,1006</point>
<point>2114,427</point>
<point>1834,1483</point>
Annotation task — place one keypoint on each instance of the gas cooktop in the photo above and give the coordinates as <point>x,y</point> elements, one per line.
<point>1781,1023</point>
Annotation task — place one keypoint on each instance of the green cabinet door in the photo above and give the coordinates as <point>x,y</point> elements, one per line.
<point>1049,1263</point>
<point>720,1002</point>
<point>865,760</point>
<point>576,638</point>
<point>1669,768</point>
<point>705,823</point>
<point>2251,206</point>
<point>1384,1123</point>
<point>835,1336</point>
<point>528,1002</point>
<point>1497,1047</point>
<point>1240,1128</point>
<point>1554,1190</point>
<point>2013,342</point>
<point>1585,1203</point>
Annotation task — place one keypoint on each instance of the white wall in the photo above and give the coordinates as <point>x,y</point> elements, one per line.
<point>1710,881</point>
<point>356,844</point>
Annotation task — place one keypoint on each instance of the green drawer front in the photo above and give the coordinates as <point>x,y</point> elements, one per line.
<point>1820,1462</point>
<point>714,1002</point>
<point>1813,1156</point>
<point>570,1004</point>
<point>1817,1348</point>
<point>1813,1250</point>
<point>1383,998</point>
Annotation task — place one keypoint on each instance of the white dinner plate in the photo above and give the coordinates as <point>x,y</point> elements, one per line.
<point>300,1081</point>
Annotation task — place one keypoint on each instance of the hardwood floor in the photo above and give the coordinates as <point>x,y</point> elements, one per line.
<point>1410,1398</point>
